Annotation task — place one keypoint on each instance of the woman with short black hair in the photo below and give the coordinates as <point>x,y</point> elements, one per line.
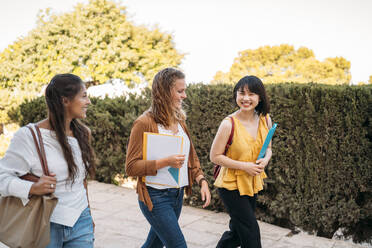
<point>241,175</point>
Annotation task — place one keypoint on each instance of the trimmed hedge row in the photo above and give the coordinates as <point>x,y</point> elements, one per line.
<point>320,174</point>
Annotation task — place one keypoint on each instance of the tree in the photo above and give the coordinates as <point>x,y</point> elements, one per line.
<point>10,98</point>
<point>285,64</point>
<point>370,79</point>
<point>95,41</point>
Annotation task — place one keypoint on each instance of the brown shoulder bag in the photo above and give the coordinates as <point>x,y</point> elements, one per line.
<point>28,226</point>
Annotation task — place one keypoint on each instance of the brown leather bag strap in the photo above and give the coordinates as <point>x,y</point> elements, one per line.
<point>42,150</point>
<point>41,157</point>
<point>30,177</point>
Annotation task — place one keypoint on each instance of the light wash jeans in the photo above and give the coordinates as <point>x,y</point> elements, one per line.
<point>165,230</point>
<point>79,236</point>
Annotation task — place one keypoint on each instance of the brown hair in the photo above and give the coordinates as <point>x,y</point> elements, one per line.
<point>68,85</point>
<point>162,108</point>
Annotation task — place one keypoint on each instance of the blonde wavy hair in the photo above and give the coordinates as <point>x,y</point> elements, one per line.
<point>162,108</point>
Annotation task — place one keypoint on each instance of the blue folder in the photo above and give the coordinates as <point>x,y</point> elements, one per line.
<point>175,172</point>
<point>267,141</point>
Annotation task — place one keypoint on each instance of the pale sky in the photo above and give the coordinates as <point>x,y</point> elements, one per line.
<point>212,32</point>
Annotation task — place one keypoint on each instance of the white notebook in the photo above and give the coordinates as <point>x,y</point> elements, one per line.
<point>157,146</point>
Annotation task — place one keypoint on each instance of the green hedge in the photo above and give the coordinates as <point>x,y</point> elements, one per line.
<point>320,173</point>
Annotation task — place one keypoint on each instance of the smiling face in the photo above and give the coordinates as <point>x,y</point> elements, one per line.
<point>76,108</point>
<point>178,92</point>
<point>247,100</point>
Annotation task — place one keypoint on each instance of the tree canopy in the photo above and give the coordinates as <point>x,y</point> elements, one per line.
<point>275,64</point>
<point>94,41</point>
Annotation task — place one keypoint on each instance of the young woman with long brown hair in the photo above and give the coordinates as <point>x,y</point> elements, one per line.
<point>161,205</point>
<point>70,159</point>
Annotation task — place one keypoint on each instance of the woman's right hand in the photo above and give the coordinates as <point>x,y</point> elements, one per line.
<point>253,169</point>
<point>176,161</point>
<point>45,185</point>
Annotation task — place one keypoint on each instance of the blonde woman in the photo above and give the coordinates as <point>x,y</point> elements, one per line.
<point>159,204</point>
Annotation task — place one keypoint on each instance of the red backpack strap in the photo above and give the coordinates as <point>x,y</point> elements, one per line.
<point>217,167</point>
<point>229,142</point>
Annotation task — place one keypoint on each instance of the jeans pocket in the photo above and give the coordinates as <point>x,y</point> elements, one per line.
<point>157,195</point>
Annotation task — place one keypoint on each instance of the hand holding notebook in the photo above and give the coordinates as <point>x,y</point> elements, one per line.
<point>157,146</point>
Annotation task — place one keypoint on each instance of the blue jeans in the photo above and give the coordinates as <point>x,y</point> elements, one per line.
<point>80,235</point>
<point>165,230</point>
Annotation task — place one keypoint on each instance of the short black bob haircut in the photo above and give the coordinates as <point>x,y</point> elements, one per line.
<point>256,86</point>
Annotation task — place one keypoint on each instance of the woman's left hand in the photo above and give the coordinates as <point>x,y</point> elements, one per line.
<point>262,162</point>
<point>205,193</point>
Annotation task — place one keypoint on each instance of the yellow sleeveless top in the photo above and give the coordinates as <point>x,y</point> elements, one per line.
<point>244,148</point>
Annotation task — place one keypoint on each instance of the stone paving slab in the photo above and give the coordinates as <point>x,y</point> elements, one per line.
<point>120,224</point>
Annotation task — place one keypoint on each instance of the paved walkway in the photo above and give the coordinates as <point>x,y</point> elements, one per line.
<point>120,224</point>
